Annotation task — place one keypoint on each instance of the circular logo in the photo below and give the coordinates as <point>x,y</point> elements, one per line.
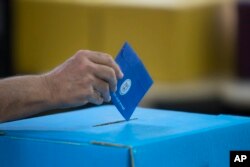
<point>125,87</point>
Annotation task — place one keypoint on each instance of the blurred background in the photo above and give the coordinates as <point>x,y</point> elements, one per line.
<point>197,51</point>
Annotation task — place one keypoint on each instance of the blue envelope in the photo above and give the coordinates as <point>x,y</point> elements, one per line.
<point>135,83</point>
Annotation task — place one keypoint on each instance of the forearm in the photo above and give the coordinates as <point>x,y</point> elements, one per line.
<point>23,96</point>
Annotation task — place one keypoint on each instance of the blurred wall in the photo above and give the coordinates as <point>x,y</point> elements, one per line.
<point>177,42</point>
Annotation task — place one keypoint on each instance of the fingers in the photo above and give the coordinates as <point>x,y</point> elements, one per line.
<point>102,87</point>
<point>99,92</point>
<point>105,59</point>
<point>96,72</point>
<point>106,74</point>
<point>95,97</point>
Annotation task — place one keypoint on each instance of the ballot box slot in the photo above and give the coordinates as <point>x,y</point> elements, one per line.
<point>114,122</point>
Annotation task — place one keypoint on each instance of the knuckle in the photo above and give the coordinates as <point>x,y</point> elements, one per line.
<point>112,82</point>
<point>110,59</point>
<point>87,66</point>
<point>99,101</point>
<point>82,52</point>
<point>81,55</point>
<point>89,92</point>
<point>78,57</point>
<point>105,88</point>
<point>112,75</point>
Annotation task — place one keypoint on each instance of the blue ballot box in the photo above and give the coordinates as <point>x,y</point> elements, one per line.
<point>99,136</point>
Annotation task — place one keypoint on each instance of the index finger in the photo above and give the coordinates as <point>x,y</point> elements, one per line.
<point>106,59</point>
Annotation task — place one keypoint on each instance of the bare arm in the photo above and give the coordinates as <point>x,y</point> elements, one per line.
<point>86,77</point>
<point>23,96</point>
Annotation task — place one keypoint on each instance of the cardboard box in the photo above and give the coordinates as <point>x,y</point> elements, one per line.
<point>99,137</point>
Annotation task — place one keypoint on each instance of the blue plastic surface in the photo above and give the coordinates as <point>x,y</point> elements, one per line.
<point>152,138</point>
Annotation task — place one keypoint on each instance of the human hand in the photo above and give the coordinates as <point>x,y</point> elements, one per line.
<point>88,76</point>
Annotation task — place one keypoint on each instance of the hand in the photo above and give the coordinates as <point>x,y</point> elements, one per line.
<point>87,76</point>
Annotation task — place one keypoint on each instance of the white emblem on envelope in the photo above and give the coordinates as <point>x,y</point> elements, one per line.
<point>125,87</point>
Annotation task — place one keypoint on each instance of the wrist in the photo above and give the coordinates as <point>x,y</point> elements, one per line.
<point>49,90</point>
